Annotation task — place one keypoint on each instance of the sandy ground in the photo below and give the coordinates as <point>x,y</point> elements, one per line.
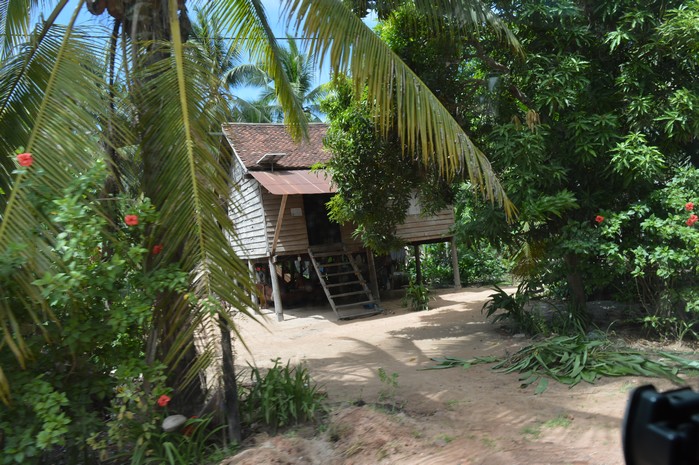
<point>454,416</point>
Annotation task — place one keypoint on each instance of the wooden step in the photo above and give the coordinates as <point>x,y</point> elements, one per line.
<point>333,264</point>
<point>341,273</point>
<point>355,304</point>
<point>347,283</point>
<point>347,294</point>
<point>344,259</point>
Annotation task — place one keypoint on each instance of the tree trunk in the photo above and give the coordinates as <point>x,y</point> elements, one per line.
<point>455,263</point>
<point>418,267</point>
<point>230,386</point>
<point>148,22</point>
<point>575,281</point>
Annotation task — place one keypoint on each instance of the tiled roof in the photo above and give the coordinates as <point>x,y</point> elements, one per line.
<point>251,141</point>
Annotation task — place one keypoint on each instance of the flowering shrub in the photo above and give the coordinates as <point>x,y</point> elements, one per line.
<point>25,159</point>
<point>146,431</point>
<point>91,350</point>
<point>163,400</point>
<point>653,247</point>
<point>131,220</point>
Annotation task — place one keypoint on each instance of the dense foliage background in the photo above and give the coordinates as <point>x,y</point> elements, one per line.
<point>593,131</point>
<point>119,286</point>
<point>114,235</point>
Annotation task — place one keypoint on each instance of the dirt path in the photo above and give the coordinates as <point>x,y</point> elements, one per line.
<point>454,416</point>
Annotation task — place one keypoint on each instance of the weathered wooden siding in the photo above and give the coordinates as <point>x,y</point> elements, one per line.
<point>350,242</point>
<point>293,237</point>
<point>417,228</point>
<point>248,217</point>
<point>255,221</point>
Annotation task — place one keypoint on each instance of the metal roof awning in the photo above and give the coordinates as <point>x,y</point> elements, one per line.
<point>292,182</point>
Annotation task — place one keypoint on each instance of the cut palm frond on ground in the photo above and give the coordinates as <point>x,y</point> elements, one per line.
<point>572,359</point>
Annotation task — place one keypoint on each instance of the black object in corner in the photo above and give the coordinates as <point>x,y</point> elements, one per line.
<point>661,428</point>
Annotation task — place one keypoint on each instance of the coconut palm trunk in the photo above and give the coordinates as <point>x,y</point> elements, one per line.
<point>147,25</point>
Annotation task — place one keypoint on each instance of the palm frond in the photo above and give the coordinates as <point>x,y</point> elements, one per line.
<point>246,20</point>
<point>249,74</point>
<point>51,87</point>
<point>188,183</point>
<point>13,80</point>
<point>252,112</point>
<point>317,93</point>
<point>399,97</point>
<point>222,55</point>
<point>15,22</point>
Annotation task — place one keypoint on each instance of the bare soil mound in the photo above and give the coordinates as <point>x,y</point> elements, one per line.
<point>454,416</point>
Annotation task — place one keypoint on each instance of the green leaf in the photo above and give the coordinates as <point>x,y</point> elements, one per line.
<point>542,386</point>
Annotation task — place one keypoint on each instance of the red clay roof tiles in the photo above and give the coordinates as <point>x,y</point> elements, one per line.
<point>252,140</point>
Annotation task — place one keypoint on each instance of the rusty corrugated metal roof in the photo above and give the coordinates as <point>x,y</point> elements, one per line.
<point>293,182</point>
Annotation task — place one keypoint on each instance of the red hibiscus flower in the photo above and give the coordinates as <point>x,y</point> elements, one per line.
<point>692,219</point>
<point>599,219</point>
<point>131,220</point>
<point>689,206</point>
<point>157,248</point>
<point>25,159</point>
<point>163,400</point>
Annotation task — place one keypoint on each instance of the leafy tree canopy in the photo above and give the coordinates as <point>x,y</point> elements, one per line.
<point>596,115</point>
<point>375,179</point>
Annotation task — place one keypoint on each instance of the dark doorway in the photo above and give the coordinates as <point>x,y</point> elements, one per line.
<point>321,231</point>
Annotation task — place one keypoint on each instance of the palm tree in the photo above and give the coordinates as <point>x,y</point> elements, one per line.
<point>300,70</point>
<point>220,58</point>
<point>227,71</point>
<point>153,104</point>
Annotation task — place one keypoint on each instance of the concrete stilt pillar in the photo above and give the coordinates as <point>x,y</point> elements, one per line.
<point>276,290</point>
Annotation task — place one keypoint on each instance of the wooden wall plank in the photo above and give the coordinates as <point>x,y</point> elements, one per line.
<point>247,215</point>
<point>293,237</point>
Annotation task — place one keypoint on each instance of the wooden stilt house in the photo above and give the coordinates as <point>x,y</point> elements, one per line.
<point>296,254</point>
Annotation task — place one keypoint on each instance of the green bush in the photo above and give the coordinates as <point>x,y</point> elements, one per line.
<point>479,263</point>
<point>283,396</point>
<point>650,249</point>
<point>483,263</point>
<point>645,253</point>
<point>528,310</point>
<point>417,296</point>
<point>87,394</point>
<point>514,309</point>
<point>90,337</point>
<point>139,425</point>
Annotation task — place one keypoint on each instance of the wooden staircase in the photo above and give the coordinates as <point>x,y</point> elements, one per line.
<point>343,283</point>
